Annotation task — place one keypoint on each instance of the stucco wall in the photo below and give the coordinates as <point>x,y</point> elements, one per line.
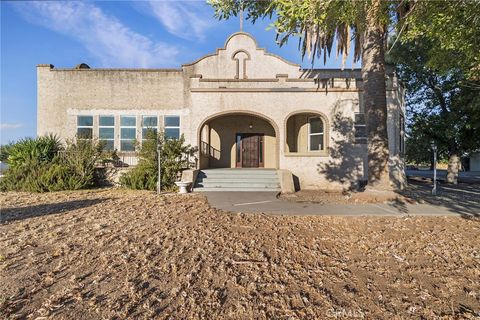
<point>65,93</point>
<point>271,89</point>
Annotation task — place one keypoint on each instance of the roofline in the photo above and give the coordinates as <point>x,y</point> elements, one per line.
<point>217,51</point>
<point>111,69</point>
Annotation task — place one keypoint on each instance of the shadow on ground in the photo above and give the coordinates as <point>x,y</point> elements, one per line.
<point>21,213</point>
<point>463,199</point>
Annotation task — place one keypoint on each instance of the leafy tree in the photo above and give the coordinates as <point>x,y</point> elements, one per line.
<point>454,27</point>
<point>365,23</point>
<point>174,158</point>
<point>442,105</point>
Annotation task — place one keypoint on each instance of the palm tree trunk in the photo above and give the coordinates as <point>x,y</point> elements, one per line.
<point>373,74</point>
<point>453,168</point>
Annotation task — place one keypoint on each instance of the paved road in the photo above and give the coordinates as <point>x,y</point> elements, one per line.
<point>267,202</point>
<point>467,176</point>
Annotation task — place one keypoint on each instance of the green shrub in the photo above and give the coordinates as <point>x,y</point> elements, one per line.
<point>42,149</point>
<point>4,151</point>
<point>70,169</point>
<point>174,158</point>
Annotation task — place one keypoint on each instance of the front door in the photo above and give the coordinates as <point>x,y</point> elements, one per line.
<point>249,150</point>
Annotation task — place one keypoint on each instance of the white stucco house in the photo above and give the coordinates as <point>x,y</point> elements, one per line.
<point>242,106</point>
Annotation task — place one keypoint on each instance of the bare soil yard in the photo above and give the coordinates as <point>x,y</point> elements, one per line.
<point>122,254</point>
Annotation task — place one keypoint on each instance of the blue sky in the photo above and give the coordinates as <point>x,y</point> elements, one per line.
<point>142,34</point>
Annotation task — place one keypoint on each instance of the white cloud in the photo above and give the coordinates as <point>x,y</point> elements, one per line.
<point>185,19</point>
<point>10,126</point>
<point>104,36</point>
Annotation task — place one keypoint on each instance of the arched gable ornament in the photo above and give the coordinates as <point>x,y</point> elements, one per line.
<point>241,57</point>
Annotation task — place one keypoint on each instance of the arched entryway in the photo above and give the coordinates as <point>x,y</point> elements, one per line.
<point>239,139</point>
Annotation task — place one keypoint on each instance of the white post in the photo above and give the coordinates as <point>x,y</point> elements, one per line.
<point>159,151</point>
<point>434,149</point>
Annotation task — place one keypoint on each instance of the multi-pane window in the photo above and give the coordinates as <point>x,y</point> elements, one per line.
<point>172,127</point>
<point>106,131</point>
<point>128,133</point>
<point>360,128</point>
<point>149,123</point>
<point>315,134</point>
<point>84,127</point>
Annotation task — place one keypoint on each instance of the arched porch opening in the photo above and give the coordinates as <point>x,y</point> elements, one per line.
<point>239,139</point>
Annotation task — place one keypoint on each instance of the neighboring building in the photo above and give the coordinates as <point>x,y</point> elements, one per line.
<point>474,160</point>
<point>242,106</point>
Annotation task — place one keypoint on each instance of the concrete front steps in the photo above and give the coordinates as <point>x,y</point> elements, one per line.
<point>237,179</point>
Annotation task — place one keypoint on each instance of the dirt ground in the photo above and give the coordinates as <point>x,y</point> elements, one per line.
<point>418,191</point>
<point>113,254</point>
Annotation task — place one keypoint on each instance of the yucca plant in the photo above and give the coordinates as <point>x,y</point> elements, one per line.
<point>35,165</point>
<point>41,149</point>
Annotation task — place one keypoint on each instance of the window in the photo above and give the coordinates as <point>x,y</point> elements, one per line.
<point>360,128</point>
<point>84,127</point>
<point>315,134</point>
<point>172,127</point>
<point>149,122</point>
<point>305,135</point>
<point>128,133</point>
<point>106,131</point>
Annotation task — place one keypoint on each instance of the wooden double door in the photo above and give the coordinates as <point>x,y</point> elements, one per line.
<point>250,150</point>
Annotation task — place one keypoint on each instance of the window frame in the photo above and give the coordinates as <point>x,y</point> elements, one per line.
<point>84,127</point>
<point>128,127</point>
<point>360,124</point>
<point>165,127</point>
<point>147,127</point>
<point>309,134</point>
<point>100,126</point>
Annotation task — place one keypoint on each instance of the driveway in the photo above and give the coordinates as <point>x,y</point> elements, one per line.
<point>267,202</point>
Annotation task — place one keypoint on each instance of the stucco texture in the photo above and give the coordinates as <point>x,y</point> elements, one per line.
<point>222,93</point>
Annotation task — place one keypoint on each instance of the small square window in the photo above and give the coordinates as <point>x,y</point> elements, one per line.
<point>145,132</point>
<point>84,133</point>
<point>85,121</point>
<point>108,144</point>
<point>150,121</point>
<point>316,142</point>
<point>360,131</point>
<point>106,133</point>
<point>106,121</point>
<point>172,121</point>
<point>316,125</point>
<point>128,121</point>
<point>172,133</point>
<point>127,145</point>
<point>128,133</point>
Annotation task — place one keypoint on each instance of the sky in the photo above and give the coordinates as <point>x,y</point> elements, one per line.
<point>107,34</point>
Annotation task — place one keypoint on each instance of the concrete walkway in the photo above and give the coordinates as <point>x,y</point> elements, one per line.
<point>267,202</point>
